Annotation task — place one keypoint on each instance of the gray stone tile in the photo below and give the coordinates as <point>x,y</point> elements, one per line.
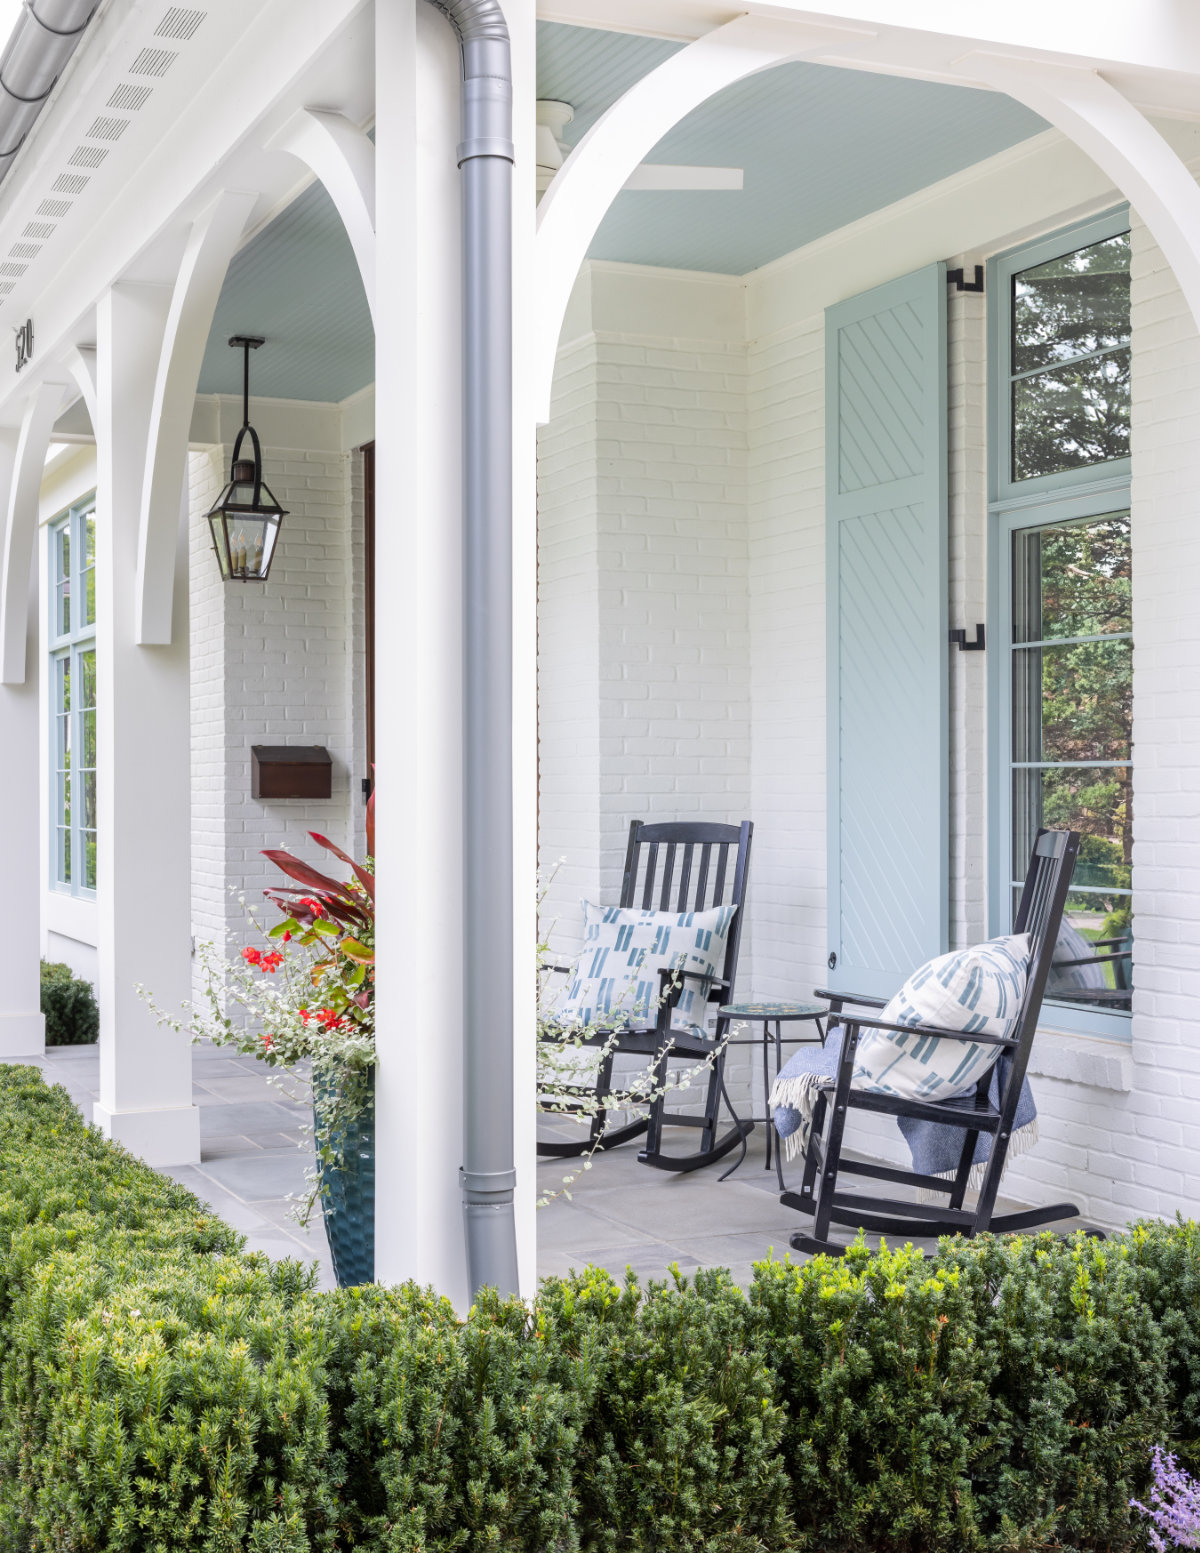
<point>684,1206</point>
<point>256,1177</point>
<point>249,1087</point>
<point>648,1261</point>
<point>267,1116</point>
<point>226,1145</point>
<point>571,1227</point>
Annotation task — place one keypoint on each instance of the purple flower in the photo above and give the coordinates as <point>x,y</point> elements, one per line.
<point>1174,1508</point>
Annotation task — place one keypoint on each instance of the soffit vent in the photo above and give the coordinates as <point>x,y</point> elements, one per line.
<point>179,23</point>
<point>107,129</point>
<point>42,229</point>
<point>6,286</point>
<point>12,269</point>
<point>25,250</point>
<point>54,207</point>
<point>87,156</point>
<point>129,96</point>
<point>153,62</point>
<point>70,183</point>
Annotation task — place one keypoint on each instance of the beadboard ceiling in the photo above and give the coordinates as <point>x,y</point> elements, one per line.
<point>296,283</point>
<point>821,147</point>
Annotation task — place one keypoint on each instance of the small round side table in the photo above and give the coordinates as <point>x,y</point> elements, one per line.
<point>768,1014</point>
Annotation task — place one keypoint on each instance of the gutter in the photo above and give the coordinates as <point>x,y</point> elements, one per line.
<point>485,159</point>
<point>46,35</point>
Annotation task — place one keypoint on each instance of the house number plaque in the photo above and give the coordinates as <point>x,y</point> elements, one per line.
<point>25,344</point>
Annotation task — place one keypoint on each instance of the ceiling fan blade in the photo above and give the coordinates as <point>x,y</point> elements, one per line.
<point>660,176</point>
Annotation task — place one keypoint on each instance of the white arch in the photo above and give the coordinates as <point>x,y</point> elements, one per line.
<point>343,157</point>
<point>81,364</point>
<point>599,166</point>
<point>1077,100</point>
<point>211,244</point>
<point>41,412</point>
<point>1121,141</point>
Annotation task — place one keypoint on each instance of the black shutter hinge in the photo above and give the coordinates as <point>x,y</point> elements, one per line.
<point>958,279</point>
<point>959,639</point>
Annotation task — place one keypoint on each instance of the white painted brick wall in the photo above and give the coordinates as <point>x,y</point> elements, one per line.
<point>274,664</point>
<point>966,341</point>
<point>643,629</point>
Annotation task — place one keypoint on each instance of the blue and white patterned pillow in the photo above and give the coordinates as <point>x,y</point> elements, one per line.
<point>973,990</point>
<point>623,951</point>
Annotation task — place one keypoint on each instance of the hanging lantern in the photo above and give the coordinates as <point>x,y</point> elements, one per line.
<point>246,519</point>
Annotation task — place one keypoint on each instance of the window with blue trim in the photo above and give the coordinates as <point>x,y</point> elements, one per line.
<point>1063,563</point>
<point>72,641</point>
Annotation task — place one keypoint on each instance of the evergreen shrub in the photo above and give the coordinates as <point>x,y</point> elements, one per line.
<point>69,1005</point>
<point>161,1389</point>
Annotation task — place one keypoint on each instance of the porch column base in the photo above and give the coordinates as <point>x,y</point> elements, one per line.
<point>22,1035</point>
<point>166,1135</point>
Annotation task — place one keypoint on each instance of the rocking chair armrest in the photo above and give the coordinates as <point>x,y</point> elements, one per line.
<point>856,1020</point>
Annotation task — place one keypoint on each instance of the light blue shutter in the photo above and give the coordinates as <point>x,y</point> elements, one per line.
<point>885,483</point>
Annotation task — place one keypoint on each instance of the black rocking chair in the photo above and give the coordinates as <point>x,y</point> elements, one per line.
<point>702,866</point>
<point>1040,913</point>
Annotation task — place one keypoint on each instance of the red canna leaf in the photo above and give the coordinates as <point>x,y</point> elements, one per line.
<point>295,869</point>
<point>363,875</point>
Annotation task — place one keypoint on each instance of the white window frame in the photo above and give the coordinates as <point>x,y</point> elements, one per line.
<point>1039,502</point>
<point>68,646</point>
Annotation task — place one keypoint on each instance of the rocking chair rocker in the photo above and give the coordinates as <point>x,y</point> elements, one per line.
<point>1043,899</point>
<point>704,853</point>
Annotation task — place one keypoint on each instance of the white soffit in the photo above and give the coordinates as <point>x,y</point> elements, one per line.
<point>821,146</point>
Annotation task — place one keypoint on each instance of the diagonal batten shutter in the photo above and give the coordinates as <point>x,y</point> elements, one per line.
<point>885,484</point>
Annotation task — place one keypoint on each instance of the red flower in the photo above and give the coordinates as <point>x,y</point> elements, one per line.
<point>287,937</point>
<point>314,906</point>
<point>267,1039</point>
<point>251,955</point>
<point>305,1015</point>
<point>330,1018</point>
<point>271,962</point>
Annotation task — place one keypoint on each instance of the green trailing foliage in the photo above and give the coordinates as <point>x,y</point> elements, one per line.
<point>163,1390</point>
<point>69,1006</point>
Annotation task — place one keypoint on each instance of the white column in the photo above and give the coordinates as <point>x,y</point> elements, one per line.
<point>22,1028</point>
<point>143,843</point>
<point>418,415</point>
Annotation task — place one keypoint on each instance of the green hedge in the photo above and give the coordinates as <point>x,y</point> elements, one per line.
<point>162,1390</point>
<point>69,1005</point>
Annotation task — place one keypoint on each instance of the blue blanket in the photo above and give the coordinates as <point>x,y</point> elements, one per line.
<point>935,1147</point>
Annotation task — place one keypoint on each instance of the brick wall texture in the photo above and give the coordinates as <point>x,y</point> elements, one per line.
<point>279,663</point>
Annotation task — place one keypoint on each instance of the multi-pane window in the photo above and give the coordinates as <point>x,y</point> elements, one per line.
<point>1065,684</point>
<point>73,701</point>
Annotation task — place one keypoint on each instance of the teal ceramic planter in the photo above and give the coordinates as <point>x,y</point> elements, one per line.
<point>348,1199</point>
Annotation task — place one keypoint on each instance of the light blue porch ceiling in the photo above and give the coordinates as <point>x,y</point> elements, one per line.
<point>821,147</point>
<point>297,284</point>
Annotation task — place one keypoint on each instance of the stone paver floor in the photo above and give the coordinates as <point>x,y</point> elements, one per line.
<point>255,1153</point>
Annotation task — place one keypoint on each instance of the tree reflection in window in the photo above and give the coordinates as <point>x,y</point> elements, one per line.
<point>1072,682</point>
<point>1070,361</point>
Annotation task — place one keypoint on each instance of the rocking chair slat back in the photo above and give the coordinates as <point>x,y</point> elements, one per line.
<point>679,842</point>
<point>1043,901</point>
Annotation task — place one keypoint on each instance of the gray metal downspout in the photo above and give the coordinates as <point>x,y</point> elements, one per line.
<point>43,40</point>
<point>485,158</point>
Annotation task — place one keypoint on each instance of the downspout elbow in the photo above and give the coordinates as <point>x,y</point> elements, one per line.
<point>487,97</point>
